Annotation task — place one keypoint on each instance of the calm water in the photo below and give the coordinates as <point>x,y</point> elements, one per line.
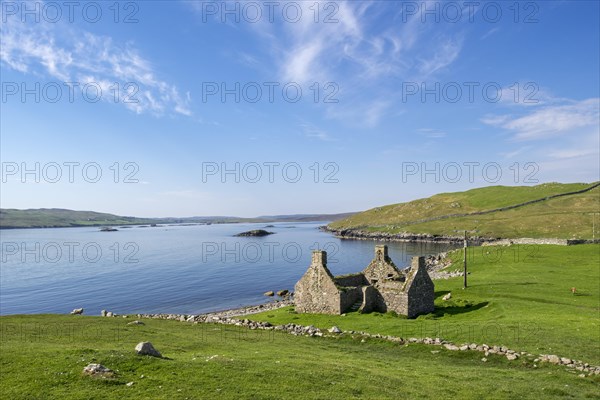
<point>168,269</point>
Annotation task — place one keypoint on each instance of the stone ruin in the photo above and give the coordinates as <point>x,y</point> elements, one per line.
<point>381,286</point>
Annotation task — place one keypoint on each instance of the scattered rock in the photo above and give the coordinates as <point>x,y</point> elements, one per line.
<point>270,293</point>
<point>283,292</point>
<point>484,359</point>
<point>447,297</point>
<point>77,311</point>
<point>335,329</point>
<point>136,322</point>
<point>103,313</point>
<point>109,314</point>
<point>511,357</point>
<point>146,349</point>
<point>130,384</point>
<point>97,370</point>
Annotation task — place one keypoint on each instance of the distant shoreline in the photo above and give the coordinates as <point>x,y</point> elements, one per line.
<point>158,225</point>
<point>62,218</point>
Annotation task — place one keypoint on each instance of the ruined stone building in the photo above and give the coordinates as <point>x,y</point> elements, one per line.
<point>381,286</point>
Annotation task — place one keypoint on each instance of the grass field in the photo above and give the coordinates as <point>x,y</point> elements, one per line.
<point>520,298</point>
<point>43,356</point>
<point>569,217</point>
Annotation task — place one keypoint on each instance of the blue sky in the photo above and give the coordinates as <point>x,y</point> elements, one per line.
<point>481,95</point>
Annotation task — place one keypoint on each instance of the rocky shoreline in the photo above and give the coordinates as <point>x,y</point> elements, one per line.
<point>229,313</point>
<point>357,234</point>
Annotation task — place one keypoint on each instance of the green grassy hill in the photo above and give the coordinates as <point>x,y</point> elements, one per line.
<point>520,298</point>
<point>565,217</point>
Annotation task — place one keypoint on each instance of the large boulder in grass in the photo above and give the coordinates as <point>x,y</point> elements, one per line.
<point>77,311</point>
<point>146,349</point>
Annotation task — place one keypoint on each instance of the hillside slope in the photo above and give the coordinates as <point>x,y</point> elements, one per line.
<point>555,210</point>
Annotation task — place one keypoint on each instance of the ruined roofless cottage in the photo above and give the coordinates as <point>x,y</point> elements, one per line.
<point>381,286</point>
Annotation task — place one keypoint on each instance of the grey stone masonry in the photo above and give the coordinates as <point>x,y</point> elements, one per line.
<point>381,286</point>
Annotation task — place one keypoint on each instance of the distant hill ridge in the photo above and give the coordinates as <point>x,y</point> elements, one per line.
<point>62,218</point>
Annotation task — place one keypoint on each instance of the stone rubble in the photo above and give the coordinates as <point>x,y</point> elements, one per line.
<point>436,263</point>
<point>312,331</point>
<point>97,370</point>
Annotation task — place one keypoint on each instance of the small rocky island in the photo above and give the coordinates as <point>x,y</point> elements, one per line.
<point>255,233</point>
<point>108,229</point>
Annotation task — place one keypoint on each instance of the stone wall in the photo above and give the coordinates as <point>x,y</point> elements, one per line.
<point>348,297</point>
<point>316,291</point>
<point>351,280</point>
<point>371,299</point>
<point>559,242</point>
<point>393,297</point>
<point>419,289</point>
<point>382,268</point>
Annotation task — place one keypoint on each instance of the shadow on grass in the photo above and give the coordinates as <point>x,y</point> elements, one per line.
<point>441,293</point>
<point>577,294</point>
<point>455,309</point>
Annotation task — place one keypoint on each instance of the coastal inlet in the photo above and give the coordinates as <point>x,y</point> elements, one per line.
<point>171,269</point>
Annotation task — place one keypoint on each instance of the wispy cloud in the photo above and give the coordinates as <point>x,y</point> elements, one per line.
<point>431,133</point>
<point>441,58</point>
<point>561,135</point>
<point>69,54</point>
<point>549,121</point>
<point>365,46</point>
<point>312,132</point>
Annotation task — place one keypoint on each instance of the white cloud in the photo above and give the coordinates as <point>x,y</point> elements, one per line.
<point>562,138</point>
<point>431,133</point>
<point>312,132</point>
<point>549,121</point>
<point>369,45</point>
<point>441,58</point>
<point>72,55</point>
